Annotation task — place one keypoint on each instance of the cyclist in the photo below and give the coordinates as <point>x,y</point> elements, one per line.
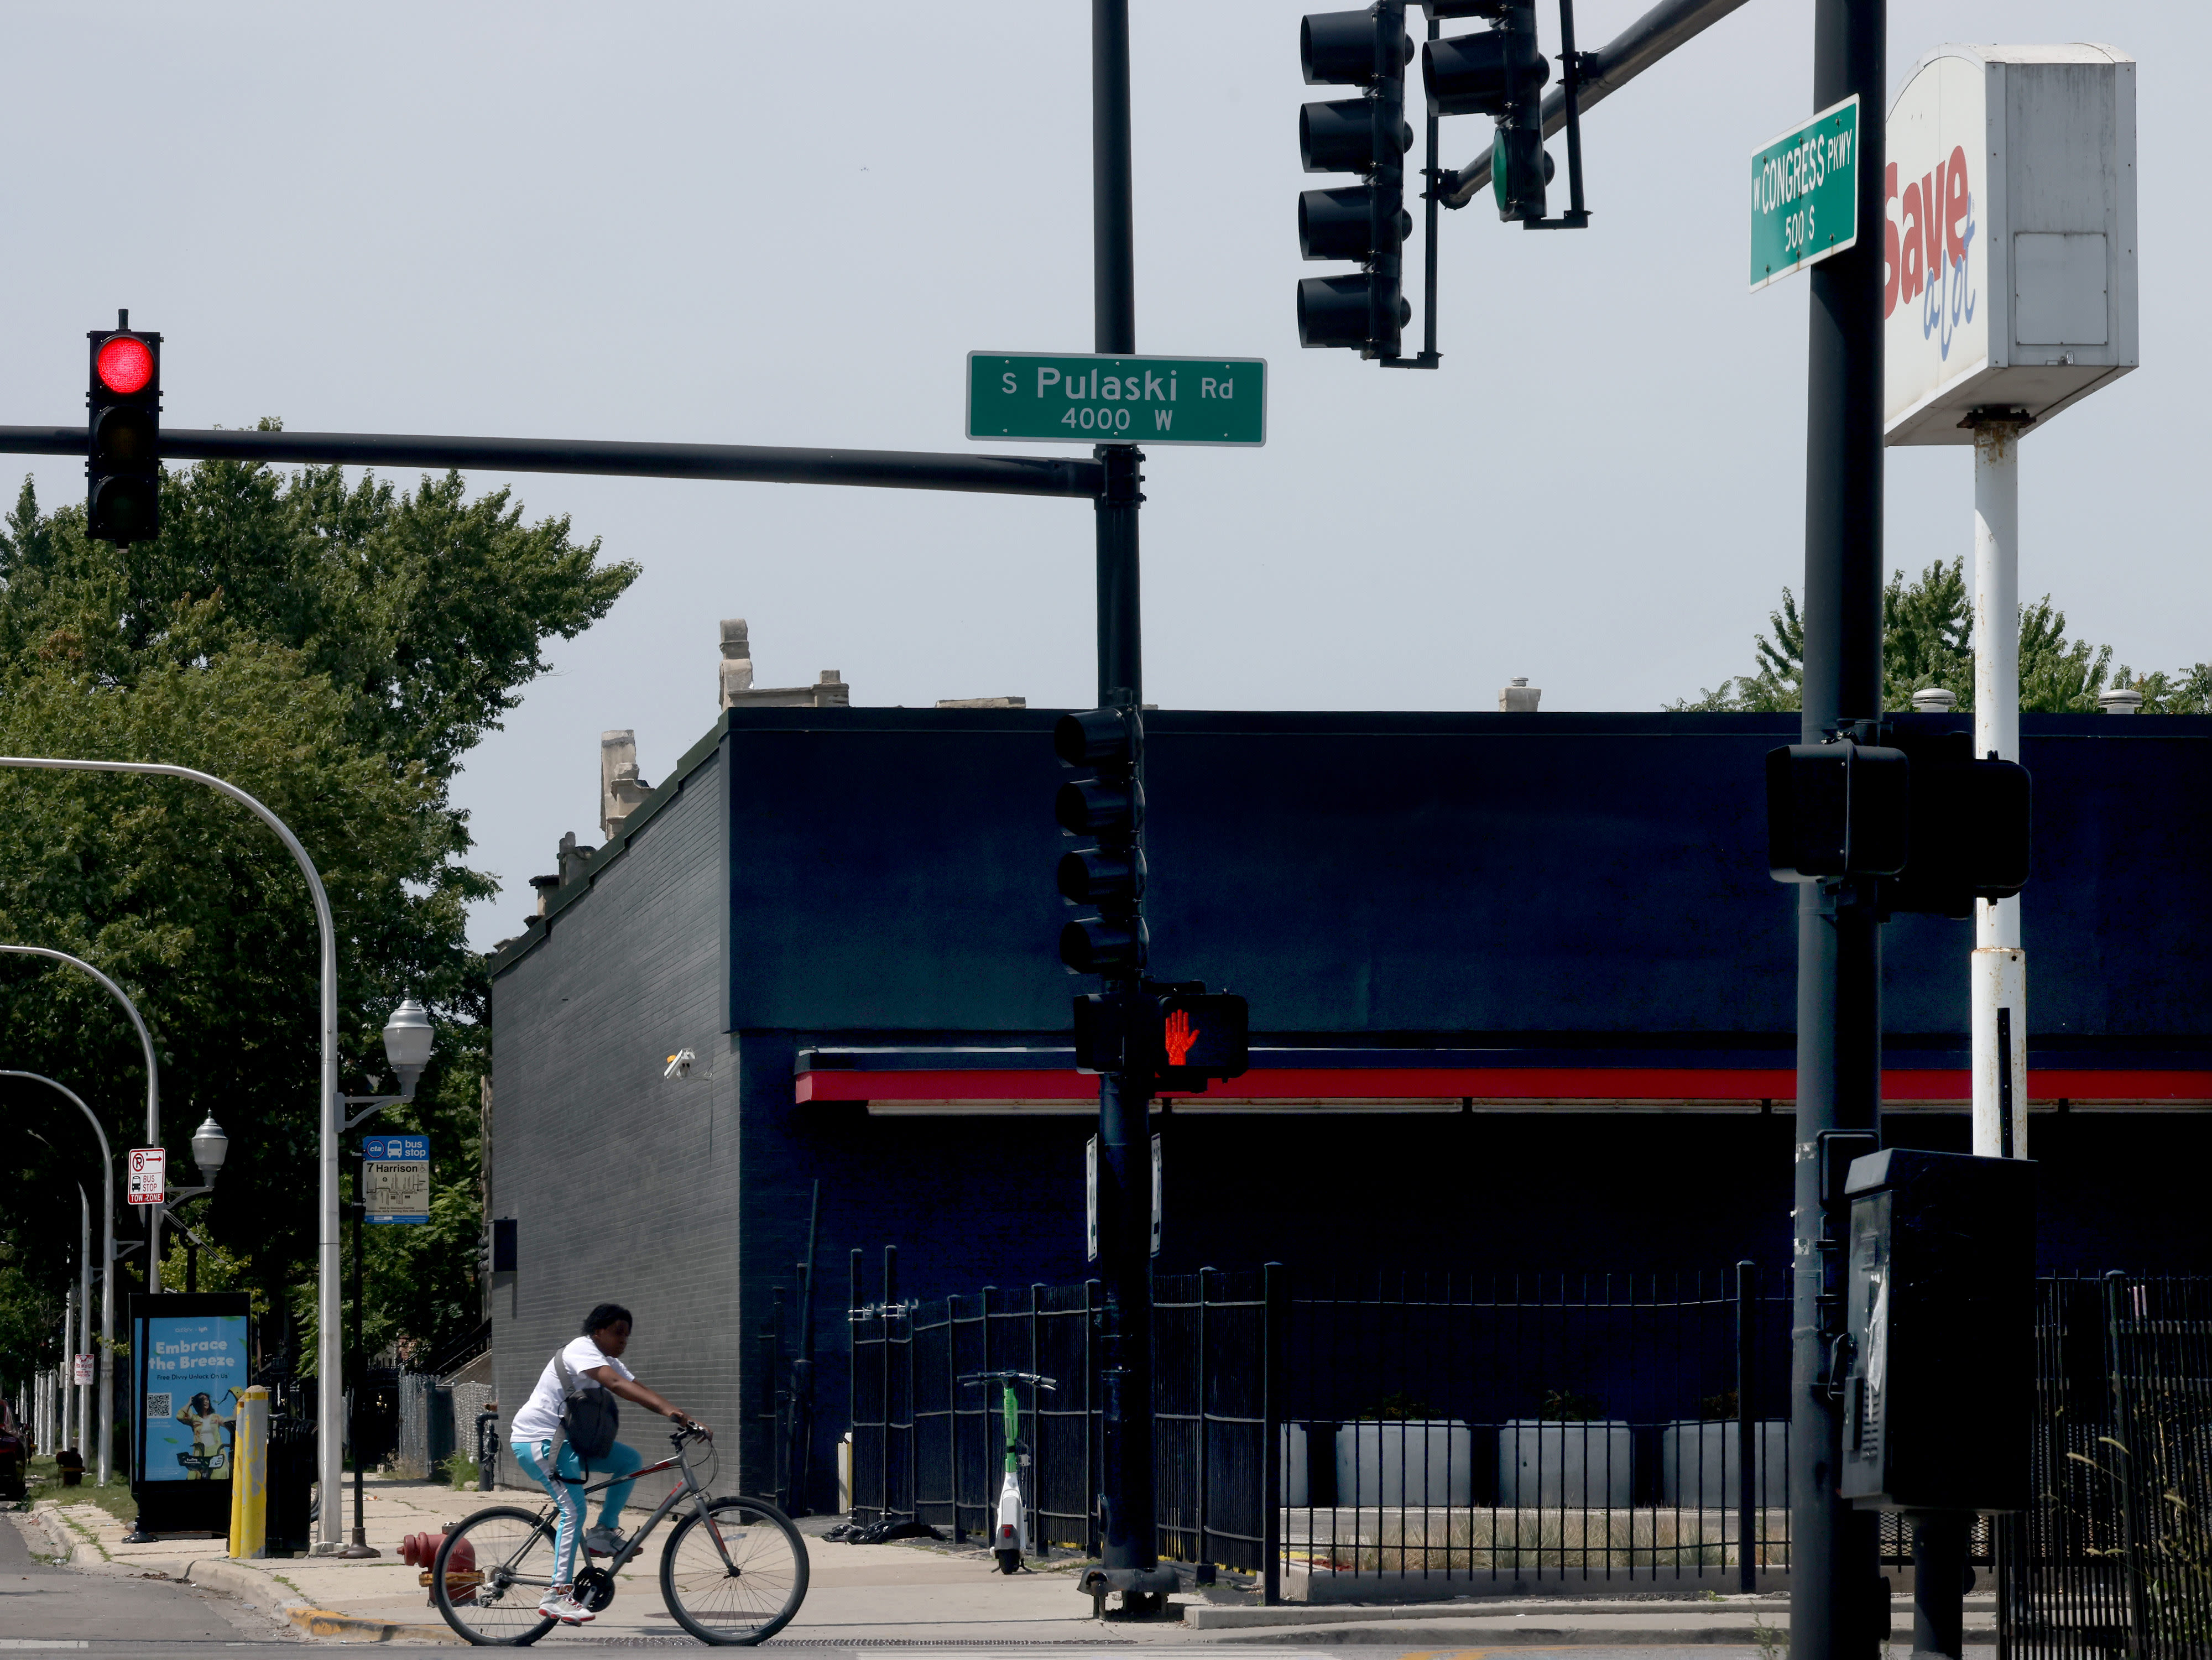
<point>595,1360</point>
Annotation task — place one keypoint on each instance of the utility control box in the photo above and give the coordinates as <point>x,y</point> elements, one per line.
<point>1939,1395</point>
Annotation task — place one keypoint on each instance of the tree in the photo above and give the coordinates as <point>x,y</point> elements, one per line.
<point>1928,641</point>
<point>334,650</point>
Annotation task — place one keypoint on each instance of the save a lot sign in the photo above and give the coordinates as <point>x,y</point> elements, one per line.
<point>1079,399</point>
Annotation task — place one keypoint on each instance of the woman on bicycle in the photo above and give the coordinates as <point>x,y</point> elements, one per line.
<point>595,1360</point>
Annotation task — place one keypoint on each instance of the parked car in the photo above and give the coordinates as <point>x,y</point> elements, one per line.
<point>14,1455</point>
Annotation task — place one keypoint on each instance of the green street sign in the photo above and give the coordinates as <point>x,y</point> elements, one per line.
<point>1804,194</point>
<point>1074,398</point>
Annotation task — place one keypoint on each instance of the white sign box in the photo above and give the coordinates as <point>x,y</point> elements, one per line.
<point>2009,245</point>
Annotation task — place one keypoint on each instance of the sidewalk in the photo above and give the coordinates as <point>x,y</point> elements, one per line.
<point>916,1592</point>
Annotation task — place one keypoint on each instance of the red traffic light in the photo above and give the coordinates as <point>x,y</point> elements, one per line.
<point>125,364</point>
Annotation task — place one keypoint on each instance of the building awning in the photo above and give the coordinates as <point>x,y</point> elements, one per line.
<point>1044,1080</point>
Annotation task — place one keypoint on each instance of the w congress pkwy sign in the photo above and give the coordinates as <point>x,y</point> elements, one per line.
<point>1077,399</point>
<point>1804,194</point>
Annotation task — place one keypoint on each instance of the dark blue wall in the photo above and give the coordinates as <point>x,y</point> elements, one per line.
<point>1453,876</point>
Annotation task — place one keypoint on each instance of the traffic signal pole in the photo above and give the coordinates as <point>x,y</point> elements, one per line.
<point>1836,1606</point>
<point>1130,1554</point>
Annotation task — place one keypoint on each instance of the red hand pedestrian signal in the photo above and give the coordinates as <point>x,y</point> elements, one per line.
<point>1181,1035</point>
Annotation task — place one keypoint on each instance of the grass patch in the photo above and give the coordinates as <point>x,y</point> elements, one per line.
<point>45,1482</point>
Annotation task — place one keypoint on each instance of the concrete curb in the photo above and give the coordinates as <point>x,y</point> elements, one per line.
<point>1546,1630</point>
<point>246,1582</point>
<point>1306,1617</point>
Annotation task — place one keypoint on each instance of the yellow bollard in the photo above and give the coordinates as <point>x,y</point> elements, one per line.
<point>249,1477</point>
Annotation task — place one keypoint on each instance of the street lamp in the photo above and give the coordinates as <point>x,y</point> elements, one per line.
<point>408,1037</point>
<point>109,1255</point>
<point>211,1146</point>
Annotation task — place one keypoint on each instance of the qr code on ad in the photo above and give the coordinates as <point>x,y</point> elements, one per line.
<point>157,1406</point>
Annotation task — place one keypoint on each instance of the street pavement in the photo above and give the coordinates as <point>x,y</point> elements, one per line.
<point>46,1605</point>
<point>181,1597</point>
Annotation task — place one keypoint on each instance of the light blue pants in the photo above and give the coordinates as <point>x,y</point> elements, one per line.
<point>567,1486</point>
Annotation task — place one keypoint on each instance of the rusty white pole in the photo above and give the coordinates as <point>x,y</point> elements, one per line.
<point>1998,974</point>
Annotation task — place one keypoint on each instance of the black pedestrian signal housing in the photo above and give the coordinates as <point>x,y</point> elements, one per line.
<point>1942,827</point>
<point>1837,810</point>
<point>1184,1036</point>
<point>1939,1390</point>
<point>1499,73</point>
<point>1366,223</point>
<point>1972,828</point>
<point>123,454</point>
<point>1103,810</point>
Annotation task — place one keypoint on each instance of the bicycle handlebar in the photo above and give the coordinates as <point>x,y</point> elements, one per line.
<point>1035,1378</point>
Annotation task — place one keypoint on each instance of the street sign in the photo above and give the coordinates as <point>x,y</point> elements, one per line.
<point>1158,1194</point>
<point>396,1177</point>
<point>1091,1200</point>
<point>1073,398</point>
<point>149,1173</point>
<point>1804,194</point>
<point>83,1372</point>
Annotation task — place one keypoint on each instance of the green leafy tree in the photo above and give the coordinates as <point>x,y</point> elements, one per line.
<point>1928,641</point>
<point>334,649</point>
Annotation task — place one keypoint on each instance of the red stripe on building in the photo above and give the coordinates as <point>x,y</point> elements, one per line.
<point>1494,1083</point>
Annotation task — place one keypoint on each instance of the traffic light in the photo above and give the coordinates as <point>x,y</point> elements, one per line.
<point>1837,810</point>
<point>122,456</point>
<point>1181,1034</point>
<point>1970,828</point>
<point>1499,73</point>
<point>1367,223</point>
<point>1105,812</point>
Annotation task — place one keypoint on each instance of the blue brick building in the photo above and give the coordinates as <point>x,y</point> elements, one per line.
<point>1522,997</point>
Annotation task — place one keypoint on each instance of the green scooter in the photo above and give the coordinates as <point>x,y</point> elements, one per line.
<point>1010,1537</point>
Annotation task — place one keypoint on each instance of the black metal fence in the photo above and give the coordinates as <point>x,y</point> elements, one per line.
<point>2116,1557</point>
<point>1518,1431</point>
<point>1508,1431</point>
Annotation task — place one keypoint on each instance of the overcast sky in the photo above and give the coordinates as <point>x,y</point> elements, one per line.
<point>746,223</point>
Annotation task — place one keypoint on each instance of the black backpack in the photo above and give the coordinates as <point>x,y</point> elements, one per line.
<point>589,1417</point>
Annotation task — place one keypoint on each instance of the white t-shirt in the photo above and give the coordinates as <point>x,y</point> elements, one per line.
<point>540,1416</point>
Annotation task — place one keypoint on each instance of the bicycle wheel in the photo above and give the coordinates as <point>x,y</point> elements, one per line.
<point>490,1573</point>
<point>736,1576</point>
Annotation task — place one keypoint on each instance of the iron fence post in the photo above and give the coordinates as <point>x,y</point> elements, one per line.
<point>1043,1542</point>
<point>1747,1427</point>
<point>1202,1569</point>
<point>2122,1441</point>
<point>1273,1324</point>
<point>1091,1450</point>
<point>890,1301</point>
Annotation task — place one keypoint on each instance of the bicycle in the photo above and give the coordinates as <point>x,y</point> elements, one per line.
<point>734,1571</point>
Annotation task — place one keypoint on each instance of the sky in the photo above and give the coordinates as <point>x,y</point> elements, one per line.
<point>746,223</point>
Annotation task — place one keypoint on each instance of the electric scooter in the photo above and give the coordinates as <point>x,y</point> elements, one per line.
<point>1010,1537</point>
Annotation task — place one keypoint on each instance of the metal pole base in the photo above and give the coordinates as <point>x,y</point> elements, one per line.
<point>1144,1590</point>
<point>359,1548</point>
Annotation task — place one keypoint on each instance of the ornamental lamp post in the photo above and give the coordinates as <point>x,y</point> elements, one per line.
<point>408,1039</point>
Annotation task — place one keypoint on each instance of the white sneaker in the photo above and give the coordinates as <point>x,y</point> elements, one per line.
<point>560,1605</point>
<point>602,1541</point>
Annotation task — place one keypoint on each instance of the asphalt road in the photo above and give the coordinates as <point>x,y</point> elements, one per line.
<point>50,1608</point>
